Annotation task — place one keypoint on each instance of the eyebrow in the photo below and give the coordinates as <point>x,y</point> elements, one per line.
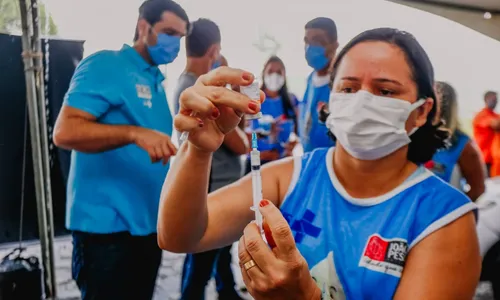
<point>382,80</point>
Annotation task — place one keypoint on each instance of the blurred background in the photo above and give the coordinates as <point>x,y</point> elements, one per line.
<point>251,31</point>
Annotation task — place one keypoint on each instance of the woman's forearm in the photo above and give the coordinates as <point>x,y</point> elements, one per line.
<point>183,214</point>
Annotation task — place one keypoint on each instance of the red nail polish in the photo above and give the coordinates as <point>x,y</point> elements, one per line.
<point>264,203</point>
<point>252,106</point>
<point>269,236</point>
<point>246,77</point>
<point>215,113</point>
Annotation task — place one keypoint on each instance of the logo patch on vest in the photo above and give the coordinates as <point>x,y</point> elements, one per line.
<point>384,255</point>
<point>435,167</point>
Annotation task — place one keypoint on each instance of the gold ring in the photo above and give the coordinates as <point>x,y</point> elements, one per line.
<point>249,264</point>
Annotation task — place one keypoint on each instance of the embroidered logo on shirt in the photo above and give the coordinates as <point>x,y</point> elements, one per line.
<point>384,255</point>
<point>144,92</point>
<point>304,226</point>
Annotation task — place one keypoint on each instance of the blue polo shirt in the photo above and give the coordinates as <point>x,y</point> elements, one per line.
<point>117,190</point>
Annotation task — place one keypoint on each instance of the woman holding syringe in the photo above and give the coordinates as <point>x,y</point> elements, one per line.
<point>367,221</point>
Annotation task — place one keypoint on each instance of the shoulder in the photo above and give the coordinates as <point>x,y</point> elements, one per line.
<point>438,205</point>
<point>100,66</point>
<point>185,81</point>
<point>100,59</point>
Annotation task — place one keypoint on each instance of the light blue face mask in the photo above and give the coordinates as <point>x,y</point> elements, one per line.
<point>216,64</point>
<point>316,57</point>
<point>166,49</point>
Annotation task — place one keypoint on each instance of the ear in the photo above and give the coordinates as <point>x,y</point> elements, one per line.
<point>423,112</point>
<point>213,51</point>
<point>143,28</point>
<point>332,50</point>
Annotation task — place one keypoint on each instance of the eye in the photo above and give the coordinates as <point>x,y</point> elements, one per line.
<point>386,92</point>
<point>347,90</point>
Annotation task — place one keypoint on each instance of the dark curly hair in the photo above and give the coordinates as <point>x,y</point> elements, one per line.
<point>430,137</point>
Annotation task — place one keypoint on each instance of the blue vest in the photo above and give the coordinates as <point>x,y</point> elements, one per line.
<point>313,133</point>
<point>273,108</point>
<point>117,190</point>
<point>356,248</point>
<point>444,161</point>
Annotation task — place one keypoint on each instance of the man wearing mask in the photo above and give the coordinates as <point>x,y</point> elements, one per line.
<point>486,124</point>
<point>320,46</point>
<point>203,54</point>
<point>116,120</point>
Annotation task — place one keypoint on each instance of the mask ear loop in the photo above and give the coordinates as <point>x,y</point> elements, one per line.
<point>414,106</point>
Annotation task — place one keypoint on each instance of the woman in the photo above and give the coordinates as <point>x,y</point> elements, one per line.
<point>462,159</point>
<point>359,213</point>
<point>279,118</point>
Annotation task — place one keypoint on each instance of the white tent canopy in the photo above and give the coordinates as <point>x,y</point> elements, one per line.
<point>480,15</point>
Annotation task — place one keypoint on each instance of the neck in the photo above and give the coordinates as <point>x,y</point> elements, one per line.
<point>143,51</point>
<point>366,179</point>
<point>197,66</point>
<point>271,94</point>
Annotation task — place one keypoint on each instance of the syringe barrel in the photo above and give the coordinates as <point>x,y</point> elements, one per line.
<point>255,158</point>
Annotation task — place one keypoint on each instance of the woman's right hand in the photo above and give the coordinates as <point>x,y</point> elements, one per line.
<point>208,110</point>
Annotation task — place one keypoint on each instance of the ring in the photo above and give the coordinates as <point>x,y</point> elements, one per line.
<point>249,264</point>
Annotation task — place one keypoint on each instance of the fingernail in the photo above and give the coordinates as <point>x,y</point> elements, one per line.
<point>252,105</point>
<point>215,113</point>
<point>264,203</point>
<point>246,76</point>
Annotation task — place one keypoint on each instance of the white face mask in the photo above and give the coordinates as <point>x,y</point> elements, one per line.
<point>274,81</point>
<point>370,127</point>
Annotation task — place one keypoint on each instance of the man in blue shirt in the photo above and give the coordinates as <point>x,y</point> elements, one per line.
<point>320,47</point>
<point>117,122</point>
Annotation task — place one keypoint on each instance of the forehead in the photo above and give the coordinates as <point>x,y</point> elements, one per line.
<point>376,60</point>
<point>274,67</point>
<point>171,21</point>
<point>316,34</point>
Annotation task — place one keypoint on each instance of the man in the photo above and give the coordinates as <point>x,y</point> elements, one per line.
<point>203,54</point>
<point>320,47</point>
<point>486,124</point>
<point>117,123</point>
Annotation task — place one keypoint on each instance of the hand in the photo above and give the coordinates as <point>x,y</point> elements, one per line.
<point>208,110</point>
<point>277,273</point>
<point>275,130</point>
<point>289,146</point>
<point>158,145</point>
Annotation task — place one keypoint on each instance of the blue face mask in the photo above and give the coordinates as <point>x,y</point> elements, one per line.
<point>166,49</point>
<point>316,57</point>
<point>216,64</point>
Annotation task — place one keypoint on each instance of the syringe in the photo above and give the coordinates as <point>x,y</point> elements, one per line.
<point>256,180</point>
<point>252,91</point>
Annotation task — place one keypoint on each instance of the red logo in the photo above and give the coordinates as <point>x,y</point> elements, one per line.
<point>376,248</point>
<point>384,255</point>
<point>429,165</point>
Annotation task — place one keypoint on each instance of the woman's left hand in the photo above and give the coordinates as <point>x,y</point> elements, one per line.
<point>278,270</point>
